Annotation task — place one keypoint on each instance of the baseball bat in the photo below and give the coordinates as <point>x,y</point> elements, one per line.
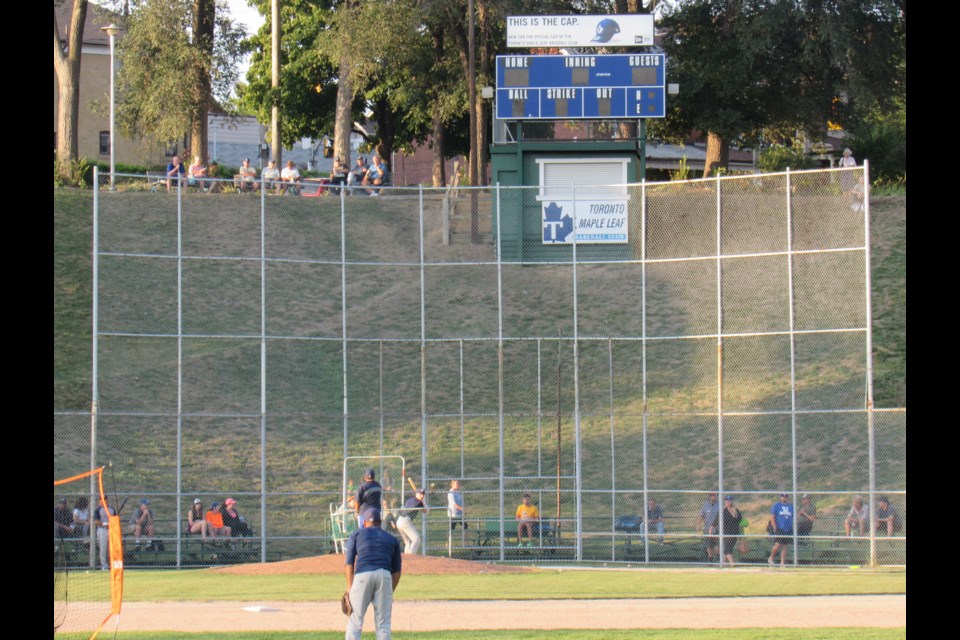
<point>412,486</point>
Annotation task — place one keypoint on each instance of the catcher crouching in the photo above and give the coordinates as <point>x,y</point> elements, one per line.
<point>373,564</point>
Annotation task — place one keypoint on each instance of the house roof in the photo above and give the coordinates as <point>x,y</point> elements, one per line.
<point>96,18</point>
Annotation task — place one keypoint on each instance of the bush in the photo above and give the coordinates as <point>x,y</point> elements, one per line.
<point>882,139</point>
<point>779,157</point>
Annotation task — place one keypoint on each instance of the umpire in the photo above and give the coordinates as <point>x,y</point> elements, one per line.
<point>373,573</point>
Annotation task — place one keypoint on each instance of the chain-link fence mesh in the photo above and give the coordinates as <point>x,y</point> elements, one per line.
<point>247,343</point>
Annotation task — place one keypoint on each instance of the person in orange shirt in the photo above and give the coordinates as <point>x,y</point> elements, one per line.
<point>215,519</point>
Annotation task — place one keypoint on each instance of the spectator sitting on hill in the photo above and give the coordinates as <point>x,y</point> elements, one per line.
<point>195,174</point>
<point>291,177</point>
<point>248,177</point>
<point>375,175</point>
<point>271,177</point>
<point>175,170</point>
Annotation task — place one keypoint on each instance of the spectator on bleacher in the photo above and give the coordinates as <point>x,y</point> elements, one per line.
<point>731,527</point>
<point>782,523</point>
<point>888,518</point>
<point>212,171</point>
<point>708,513</point>
<point>856,518</point>
<point>101,520</point>
<point>455,506</point>
<point>805,516</point>
<point>248,177</point>
<point>175,169</point>
<point>196,173</point>
<point>62,520</point>
<point>527,516</point>
<point>215,519</point>
<point>655,519</point>
<point>81,517</point>
<point>142,521</point>
<point>197,523</point>
<point>233,520</point>
<point>291,177</point>
<point>271,177</point>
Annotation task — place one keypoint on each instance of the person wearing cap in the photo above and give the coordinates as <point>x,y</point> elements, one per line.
<point>233,520</point>
<point>856,518</point>
<point>888,518</point>
<point>708,514</point>
<point>806,515</point>
<point>731,527</point>
<point>373,567</point>
<point>196,523</point>
<point>248,177</point>
<point>368,494</point>
<point>781,519</point>
<point>408,531</point>
<point>527,516</point>
<point>142,520</point>
<point>215,517</point>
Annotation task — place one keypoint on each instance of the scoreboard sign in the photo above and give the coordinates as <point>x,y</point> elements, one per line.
<point>583,86</point>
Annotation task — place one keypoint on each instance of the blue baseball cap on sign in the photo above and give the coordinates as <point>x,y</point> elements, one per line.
<point>606,29</point>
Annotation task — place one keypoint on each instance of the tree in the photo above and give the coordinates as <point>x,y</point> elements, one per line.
<point>178,59</point>
<point>66,66</point>
<point>744,65</point>
<point>308,81</point>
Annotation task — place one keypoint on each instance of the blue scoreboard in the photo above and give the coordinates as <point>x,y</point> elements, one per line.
<point>581,86</point>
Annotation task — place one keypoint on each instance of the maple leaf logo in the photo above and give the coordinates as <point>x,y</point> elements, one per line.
<point>556,225</point>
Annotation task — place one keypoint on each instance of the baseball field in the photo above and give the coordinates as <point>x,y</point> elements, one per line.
<point>442,598</point>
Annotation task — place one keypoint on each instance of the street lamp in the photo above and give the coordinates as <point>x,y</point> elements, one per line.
<point>112,30</point>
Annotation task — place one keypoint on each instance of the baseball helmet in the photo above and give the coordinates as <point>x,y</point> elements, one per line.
<point>606,29</point>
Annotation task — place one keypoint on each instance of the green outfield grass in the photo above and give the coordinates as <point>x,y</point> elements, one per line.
<point>157,586</point>
<point>833,633</point>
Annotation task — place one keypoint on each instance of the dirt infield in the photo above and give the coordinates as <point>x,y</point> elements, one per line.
<point>413,565</point>
<point>421,615</point>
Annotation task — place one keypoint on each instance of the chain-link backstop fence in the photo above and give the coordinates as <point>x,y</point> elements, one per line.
<point>247,343</point>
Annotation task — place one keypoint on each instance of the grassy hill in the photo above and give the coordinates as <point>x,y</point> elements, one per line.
<point>221,431</point>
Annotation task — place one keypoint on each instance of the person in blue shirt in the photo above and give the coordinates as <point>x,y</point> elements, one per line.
<point>375,174</point>
<point>175,170</point>
<point>781,520</point>
<point>373,567</point>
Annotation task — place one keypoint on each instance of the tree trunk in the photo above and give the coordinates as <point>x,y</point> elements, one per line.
<point>204,14</point>
<point>718,154</point>
<point>66,66</point>
<point>486,74</point>
<point>437,147</point>
<point>343,123</point>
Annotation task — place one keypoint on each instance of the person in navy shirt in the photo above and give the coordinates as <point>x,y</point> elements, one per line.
<point>781,519</point>
<point>368,494</point>
<point>373,567</point>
